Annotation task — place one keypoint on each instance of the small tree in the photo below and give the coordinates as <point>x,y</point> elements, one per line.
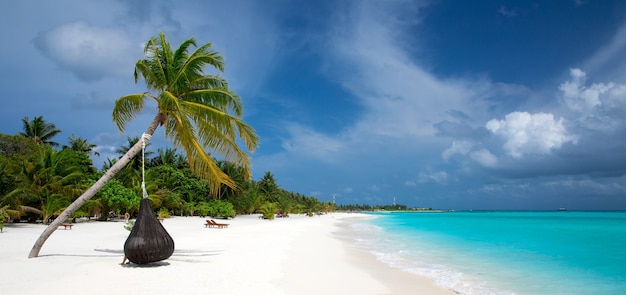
<point>116,196</point>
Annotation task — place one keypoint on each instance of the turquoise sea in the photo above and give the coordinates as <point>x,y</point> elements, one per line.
<point>562,252</point>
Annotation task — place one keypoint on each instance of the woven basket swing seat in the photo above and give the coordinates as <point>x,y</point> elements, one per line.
<point>148,241</point>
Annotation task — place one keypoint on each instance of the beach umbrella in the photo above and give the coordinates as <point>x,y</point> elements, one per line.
<point>148,241</point>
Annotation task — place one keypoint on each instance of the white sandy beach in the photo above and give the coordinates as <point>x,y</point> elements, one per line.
<point>295,255</point>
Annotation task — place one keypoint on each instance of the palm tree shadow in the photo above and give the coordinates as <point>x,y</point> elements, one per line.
<point>116,252</point>
<point>76,255</point>
<point>181,255</point>
<point>193,255</point>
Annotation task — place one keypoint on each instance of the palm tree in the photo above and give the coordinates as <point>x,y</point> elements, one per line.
<point>268,186</point>
<point>132,171</point>
<point>197,109</point>
<point>285,204</point>
<point>79,144</point>
<point>47,183</point>
<point>108,163</point>
<point>136,161</point>
<point>237,174</point>
<point>40,131</point>
<point>170,157</point>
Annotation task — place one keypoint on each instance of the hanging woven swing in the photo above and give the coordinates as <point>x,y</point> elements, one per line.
<point>148,241</point>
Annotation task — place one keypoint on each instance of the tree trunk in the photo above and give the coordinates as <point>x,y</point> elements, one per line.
<point>89,193</point>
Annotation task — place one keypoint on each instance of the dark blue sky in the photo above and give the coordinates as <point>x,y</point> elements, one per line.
<point>521,42</point>
<point>443,104</point>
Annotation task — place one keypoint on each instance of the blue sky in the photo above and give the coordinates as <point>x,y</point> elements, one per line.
<point>443,104</point>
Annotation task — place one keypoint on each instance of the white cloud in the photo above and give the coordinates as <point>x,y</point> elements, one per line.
<point>440,177</point>
<point>610,56</point>
<point>457,148</point>
<point>400,98</point>
<point>482,156</point>
<point>485,158</point>
<point>89,52</point>
<point>615,98</point>
<point>507,12</point>
<point>599,106</point>
<point>307,142</point>
<point>581,98</point>
<point>526,133</point>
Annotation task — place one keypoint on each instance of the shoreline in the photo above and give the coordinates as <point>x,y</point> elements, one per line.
<point>397,280</point>
<point>352,271</point>
<point>295,255</point>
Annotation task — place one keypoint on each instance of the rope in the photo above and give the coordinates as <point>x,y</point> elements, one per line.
<point>144,137</point>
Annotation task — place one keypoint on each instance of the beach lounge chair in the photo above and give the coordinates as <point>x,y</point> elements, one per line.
<point>219,225</point>
<point>66,225</point>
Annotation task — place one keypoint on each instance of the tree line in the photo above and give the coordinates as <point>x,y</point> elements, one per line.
<point>39,178</point>
<point>366,207</point>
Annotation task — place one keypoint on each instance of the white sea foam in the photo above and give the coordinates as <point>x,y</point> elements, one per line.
<point>390,251</point>
<point>441,275</point>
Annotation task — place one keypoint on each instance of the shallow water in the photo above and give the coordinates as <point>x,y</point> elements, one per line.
<point>503,252</point>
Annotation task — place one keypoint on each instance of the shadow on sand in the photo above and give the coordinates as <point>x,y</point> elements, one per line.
<point>182,255</point>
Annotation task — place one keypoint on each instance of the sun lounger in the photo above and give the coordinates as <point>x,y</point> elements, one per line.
<point>66,225</point>
<point>212,223</point>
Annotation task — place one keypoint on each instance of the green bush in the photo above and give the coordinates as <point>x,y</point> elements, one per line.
<point>216,208</point>
<point>222,209</point>
<point>203,209</point>
<point>268,209</point>
<point>163,213</point>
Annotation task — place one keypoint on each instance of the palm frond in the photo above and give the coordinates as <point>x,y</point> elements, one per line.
<point>154,79</point>
<point>29,209</point>
<point>194,64</point>
<point>219,98</point>
<point>126,108</point>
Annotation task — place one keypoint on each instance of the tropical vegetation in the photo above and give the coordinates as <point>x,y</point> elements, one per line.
<point>37,182</point>
<point>200,116</point>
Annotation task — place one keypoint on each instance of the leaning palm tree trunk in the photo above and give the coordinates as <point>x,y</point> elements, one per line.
<point>89,193</point>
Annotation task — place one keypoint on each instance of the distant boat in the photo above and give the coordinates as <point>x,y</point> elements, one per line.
<point>562,209</point>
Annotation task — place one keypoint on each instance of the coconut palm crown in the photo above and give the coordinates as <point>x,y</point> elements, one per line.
<point>197,109</point>
<point>40,131</point>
